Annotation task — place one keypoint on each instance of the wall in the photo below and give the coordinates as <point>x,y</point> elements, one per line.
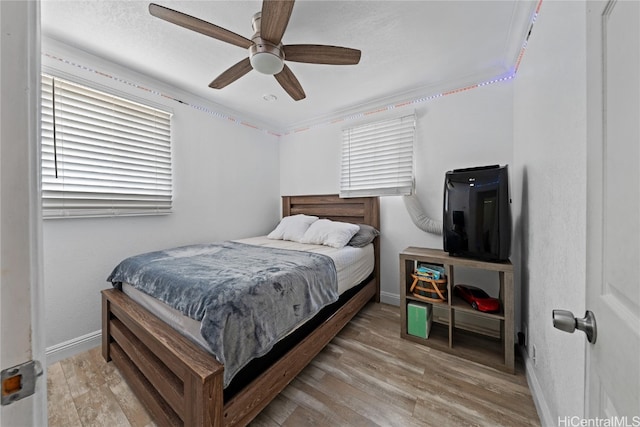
<point>550,169</point>
<point>469,128</point>
<point>225,186</point>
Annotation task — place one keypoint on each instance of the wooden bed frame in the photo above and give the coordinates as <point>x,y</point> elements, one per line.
<point>180,383</point>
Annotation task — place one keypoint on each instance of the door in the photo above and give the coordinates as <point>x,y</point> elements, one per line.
<point>613,210</point>
<point>20,264</point>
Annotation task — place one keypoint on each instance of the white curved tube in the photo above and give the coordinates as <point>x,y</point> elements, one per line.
<point>419,217</point>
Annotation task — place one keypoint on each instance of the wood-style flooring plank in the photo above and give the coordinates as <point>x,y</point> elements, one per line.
<point>366,376</point>
<point>62,410</point>
<point>136,414</point>
<point>359,373</point>
<point>371,403</point>
<point>305,392</point>
<point>263,420</point>
<point>279,409</point>
<point>83,373</point>
<point>99,407</point>
<point>308,418</point>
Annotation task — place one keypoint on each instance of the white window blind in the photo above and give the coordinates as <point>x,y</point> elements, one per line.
<point>102,155</point>
<point>377,158</point>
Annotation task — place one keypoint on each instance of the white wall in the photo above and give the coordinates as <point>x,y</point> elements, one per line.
<point>470,128</point>
<point>550,169</point>
<point>226,179</point>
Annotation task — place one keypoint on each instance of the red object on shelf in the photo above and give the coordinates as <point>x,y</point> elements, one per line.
<point>478,298</point>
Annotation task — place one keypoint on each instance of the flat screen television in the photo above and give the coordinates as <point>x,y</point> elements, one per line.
<point>477,213</point>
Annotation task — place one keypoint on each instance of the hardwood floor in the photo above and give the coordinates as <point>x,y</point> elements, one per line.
<point>367,376</point>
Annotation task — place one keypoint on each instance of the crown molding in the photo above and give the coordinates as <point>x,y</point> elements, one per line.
<point>72,61</point>
<point>69,59</point>
<point>408,99</point>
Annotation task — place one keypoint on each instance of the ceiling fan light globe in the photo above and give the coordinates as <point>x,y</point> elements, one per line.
<point>267,63</point>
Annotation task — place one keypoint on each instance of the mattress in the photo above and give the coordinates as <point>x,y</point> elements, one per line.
<point>353,265</point>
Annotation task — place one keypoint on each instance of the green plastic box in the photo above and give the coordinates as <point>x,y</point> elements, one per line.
<point>419,318</point>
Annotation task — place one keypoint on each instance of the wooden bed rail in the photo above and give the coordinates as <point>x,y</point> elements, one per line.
<point>168,372</point>
<point>256,396</point>
<point>180,383</point>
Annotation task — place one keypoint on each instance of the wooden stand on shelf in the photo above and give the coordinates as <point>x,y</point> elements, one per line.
<point>432,287</point>
<point>447,336</point>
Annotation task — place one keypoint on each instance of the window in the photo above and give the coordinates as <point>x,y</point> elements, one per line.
<point>377,158</point>
<point>102,155</point>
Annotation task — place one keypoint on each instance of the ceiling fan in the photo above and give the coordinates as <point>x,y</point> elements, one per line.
<point>266,51</point>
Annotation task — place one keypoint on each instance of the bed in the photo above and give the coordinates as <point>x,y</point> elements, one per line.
<point>181,383</point>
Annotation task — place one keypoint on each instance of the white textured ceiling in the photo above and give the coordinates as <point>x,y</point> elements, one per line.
<point>409,48</point>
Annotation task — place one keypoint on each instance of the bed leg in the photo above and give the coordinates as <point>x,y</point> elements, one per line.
<point>106,332</point>
<point>206,397</point>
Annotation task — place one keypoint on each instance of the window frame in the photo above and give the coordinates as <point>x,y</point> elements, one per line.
<point>378,157</point>
<point>133,138</point>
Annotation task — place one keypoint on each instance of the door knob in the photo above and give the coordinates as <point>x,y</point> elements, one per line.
<point>565,321</point>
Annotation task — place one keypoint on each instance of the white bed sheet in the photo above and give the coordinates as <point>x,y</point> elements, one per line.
<point>353,265</point>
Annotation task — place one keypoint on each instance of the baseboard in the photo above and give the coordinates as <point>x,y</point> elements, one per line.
<point>61,351</point>
<point>389,298</point>
<point>546,419</point>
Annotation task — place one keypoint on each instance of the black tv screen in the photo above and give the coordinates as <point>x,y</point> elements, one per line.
<point>477,213</point>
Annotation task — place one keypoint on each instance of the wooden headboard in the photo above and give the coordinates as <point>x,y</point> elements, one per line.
<point>357,210</point>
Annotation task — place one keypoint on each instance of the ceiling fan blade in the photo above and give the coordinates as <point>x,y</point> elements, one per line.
<point>232,74</point>
<point>274,19</point>
<point>198,25</point>
<point>321,54</point>
<point>290,84</point>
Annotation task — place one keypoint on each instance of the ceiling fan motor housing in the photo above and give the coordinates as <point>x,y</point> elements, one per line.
<point>265,57</point>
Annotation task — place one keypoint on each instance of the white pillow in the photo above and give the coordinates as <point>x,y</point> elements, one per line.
<point>292,227</point>
<point>330,233</point>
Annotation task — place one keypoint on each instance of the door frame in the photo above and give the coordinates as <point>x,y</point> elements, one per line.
<point>21,284</point>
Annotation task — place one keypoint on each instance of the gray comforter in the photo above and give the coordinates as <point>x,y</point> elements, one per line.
<point>247,297</point>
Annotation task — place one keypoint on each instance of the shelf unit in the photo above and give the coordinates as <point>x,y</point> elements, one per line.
<point>446,335</point>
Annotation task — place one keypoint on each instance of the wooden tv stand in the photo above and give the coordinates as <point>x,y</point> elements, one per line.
<point>447,336</point>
